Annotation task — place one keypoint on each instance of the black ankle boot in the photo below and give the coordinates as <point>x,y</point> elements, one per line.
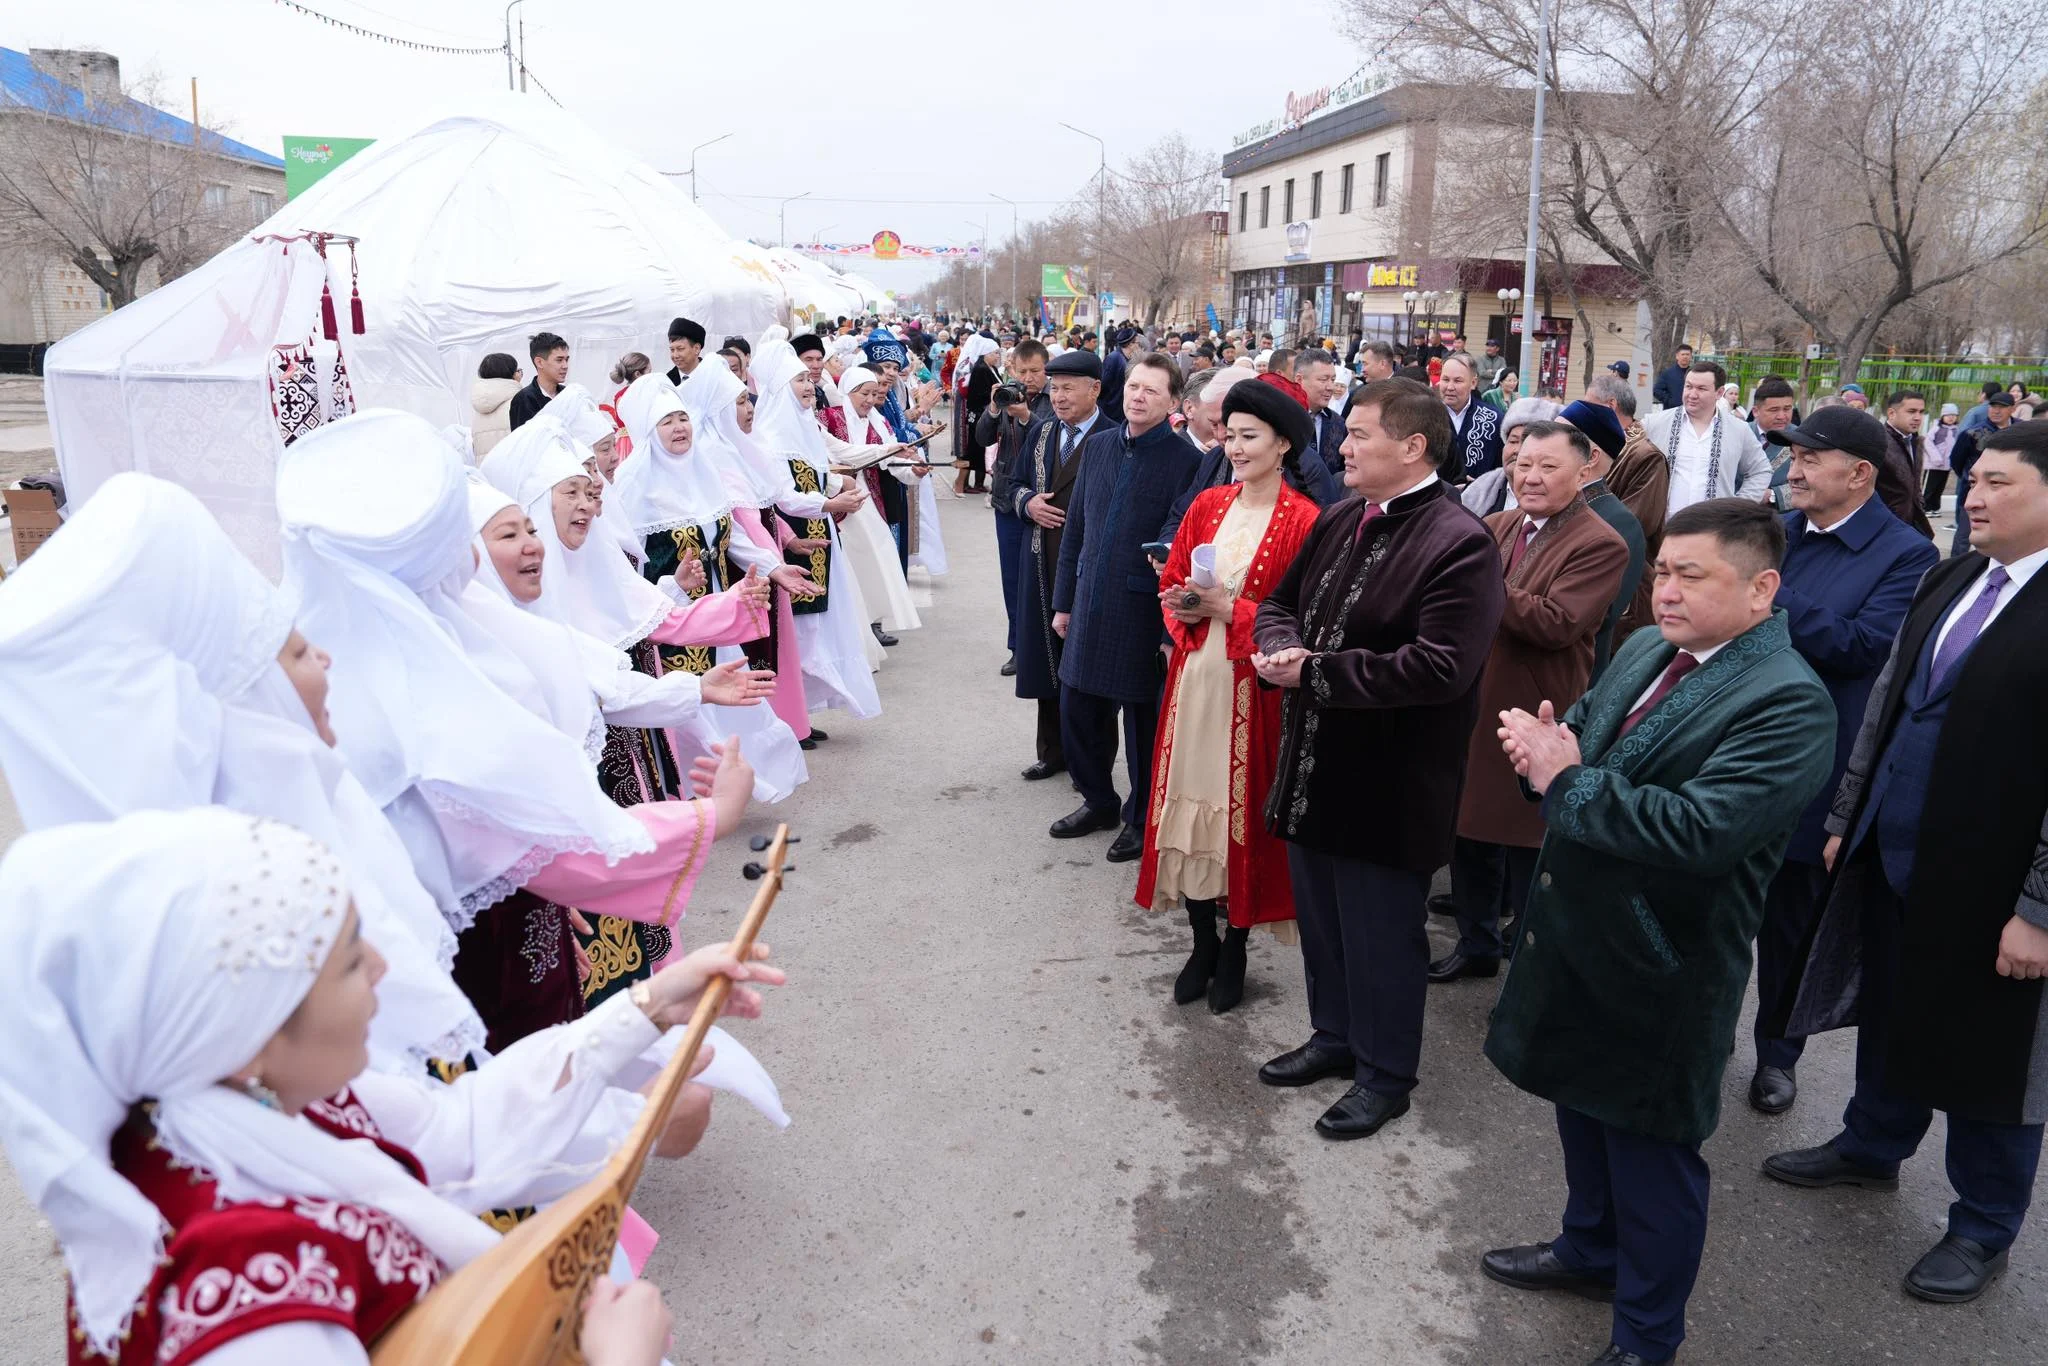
<point>1201,964</point>
<point>1226,988</point>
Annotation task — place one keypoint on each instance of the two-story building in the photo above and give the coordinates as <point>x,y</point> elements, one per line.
<point>1335,227</point>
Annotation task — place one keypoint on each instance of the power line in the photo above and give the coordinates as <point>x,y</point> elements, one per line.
<point>402,19</point>
<point>495,50</point>
<point>527,71</point>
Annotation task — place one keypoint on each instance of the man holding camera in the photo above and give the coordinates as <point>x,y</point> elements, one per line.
<point>1015,404</point>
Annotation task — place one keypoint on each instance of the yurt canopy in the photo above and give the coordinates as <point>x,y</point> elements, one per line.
<point>815,289</point>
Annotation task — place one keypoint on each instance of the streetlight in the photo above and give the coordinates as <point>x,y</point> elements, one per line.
<point>1508,299</point>
<point>510,83</point>
<point>781,214</point>
<point>1429,315</point>
<point>693,161</point>
<point>1015,302</point>
<point>1410,298</point>
<point>1101,218</point>
<point>1544,9</point>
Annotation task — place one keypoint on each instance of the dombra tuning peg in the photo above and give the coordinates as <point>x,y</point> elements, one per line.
<point>761,842</point>
<point>753,872</point>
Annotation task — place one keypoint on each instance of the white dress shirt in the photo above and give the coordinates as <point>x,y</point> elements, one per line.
<point>2021,571</point>
<point>1689,464</point>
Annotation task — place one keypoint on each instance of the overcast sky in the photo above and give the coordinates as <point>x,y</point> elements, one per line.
<point>942,102</point>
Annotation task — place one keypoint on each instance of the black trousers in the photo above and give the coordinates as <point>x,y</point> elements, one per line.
<point>1937,481</point>
<point>1088,733</point>
<point>1050,751</point>
<point>1482,877</point>
<point>1635,1213</point>
<point>1366,956</point>
<point>1792,906</point>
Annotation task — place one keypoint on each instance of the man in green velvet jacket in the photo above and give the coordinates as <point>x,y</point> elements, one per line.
<point>1670,792</point>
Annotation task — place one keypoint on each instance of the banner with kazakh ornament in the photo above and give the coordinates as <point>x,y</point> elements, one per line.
<point>887,246</point>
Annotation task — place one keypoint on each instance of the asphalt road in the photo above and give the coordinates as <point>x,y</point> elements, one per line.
<point>1009,1145</point>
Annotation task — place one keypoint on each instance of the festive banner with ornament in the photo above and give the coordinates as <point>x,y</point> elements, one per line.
<point>887,246</point>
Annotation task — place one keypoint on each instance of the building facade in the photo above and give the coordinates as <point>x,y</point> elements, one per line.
<point>44,296</point>
<point>1334,230</point>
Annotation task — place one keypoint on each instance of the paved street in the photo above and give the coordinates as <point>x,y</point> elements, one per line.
<point>1009,1145</point>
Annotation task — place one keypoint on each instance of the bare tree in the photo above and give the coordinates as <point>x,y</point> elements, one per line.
<point>1645,97</point>
<point>104,190</point>
<point>1154,229</point>
<point>1867,184</point>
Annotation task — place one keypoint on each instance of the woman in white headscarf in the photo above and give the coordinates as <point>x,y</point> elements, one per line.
<point>758,484</point>
<point>866,447</point>
<point>491,799</point>
<point>228,1183</point>
<point>835,636</point>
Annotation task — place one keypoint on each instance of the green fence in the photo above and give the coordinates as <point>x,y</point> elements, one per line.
<point>1943,379</point>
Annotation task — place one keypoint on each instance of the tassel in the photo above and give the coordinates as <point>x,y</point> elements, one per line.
<point>355,292</point>
<point>328,327</point>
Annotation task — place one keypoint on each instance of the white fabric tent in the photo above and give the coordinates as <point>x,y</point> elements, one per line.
<point>177,384</point>
<point>508,216</point>
<point>815,289</point>
<point>872,295</point>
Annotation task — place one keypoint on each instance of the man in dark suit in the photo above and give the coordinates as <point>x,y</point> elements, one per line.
<point>1106,604</point>
<point>1850,569</point>
<point>1316,373</point>
<point>1669,791</point>
<point>1041,489</point>
<point>1668,391</point>
<point>1004,428</point>
<point>1998,416</point>
<point>1378,633</point>
<point>1934,937</point>
<point>685,349</point>
<point>550,355</point>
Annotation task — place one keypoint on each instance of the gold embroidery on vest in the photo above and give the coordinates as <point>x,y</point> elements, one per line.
<point>614,953</point>
<point>815,528</point>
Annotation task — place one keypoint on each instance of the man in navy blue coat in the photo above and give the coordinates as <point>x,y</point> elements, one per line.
<point>1850,570</point>
<point>1316,373</point>
<point>1106,604</point>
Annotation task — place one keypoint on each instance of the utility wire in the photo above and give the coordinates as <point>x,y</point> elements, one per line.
<point>494,50</point>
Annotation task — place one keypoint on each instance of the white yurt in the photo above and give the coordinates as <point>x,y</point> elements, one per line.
<point>815,289</point>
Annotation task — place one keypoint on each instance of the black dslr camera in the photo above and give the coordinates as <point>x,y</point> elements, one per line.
<point>1006,394</point>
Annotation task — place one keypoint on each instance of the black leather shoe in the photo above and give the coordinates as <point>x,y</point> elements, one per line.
<point>1823,1166</point>
<point>1201,965</point>
<point>1533,1266</point>
<point>1042,769</point>
<point>819,735</point>
<point>807,744</point>
<point>1226,988</point>
<point>1614,1356</point>
<point>883,637</point>
<point>1085,820</point>
<point>1308,1064</point>
<point>1454,965</point>
<point>1954,1271</point>
<point>1009,669</point>
<point>1360,1113</point>
<point>1128,844</point>
<point>1441,904</point>
<point>1772,1090</point>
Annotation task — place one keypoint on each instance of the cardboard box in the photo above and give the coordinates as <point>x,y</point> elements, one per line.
<point>34,515</point>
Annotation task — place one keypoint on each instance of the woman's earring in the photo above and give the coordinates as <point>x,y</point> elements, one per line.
<point>255,1090</point>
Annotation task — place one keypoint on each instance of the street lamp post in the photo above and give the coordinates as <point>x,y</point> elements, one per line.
<point>693,161</point>
<point>1543,12</point>
<point>511,82</point>
<point>1508,299</point>
<point>1409,300</point>
<point>1015,302</point>
<point>1101,218</point>
<point>1429,315</point>
<point>781,214</point>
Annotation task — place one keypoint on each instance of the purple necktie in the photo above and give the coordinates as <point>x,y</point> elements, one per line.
<point>1674,673</point>
<point>1964,633</point>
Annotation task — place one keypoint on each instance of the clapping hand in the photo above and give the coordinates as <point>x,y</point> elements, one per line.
<point>794,581</point>
<point>1283,667</point>
<point>1538,746</point>
<point>736,685</point>
<point>690,573</point>
<point>2022,950</point>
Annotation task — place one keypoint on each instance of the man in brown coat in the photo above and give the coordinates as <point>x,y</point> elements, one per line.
<point>1641,478</point>
<point>1564,565</point>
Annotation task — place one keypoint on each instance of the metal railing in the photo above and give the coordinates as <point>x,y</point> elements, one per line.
<point>1943,379</point>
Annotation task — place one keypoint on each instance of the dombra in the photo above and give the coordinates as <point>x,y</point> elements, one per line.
<point>521,1303</point>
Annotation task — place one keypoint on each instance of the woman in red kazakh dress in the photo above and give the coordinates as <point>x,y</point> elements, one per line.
<point>1219,731</point>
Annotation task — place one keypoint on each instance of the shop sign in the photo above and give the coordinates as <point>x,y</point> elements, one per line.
<point>1298,235</point>
<point>1300,108</point>
<point>1391,275</point>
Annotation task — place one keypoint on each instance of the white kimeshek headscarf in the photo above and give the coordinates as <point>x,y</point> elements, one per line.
<point>659,490</point>
<point>141,962</point>
<point>592,587</point>
<point>576,412</point>
<point>377,551</point>
<point>855,423</point>
<point>781,424</point>
<point>754,477</point>
<point>138,671</point>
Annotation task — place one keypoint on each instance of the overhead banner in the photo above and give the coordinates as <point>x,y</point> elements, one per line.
<point>307,159</point>
<point>1062,282</point>
<point>887,246</point>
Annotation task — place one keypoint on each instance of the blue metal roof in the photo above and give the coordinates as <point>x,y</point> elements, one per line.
<point>25,87</point>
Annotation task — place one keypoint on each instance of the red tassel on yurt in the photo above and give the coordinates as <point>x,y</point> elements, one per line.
<point>328,327</point>
<point>355,293</point>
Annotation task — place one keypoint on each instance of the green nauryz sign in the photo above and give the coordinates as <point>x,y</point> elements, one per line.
<point>307,159</point>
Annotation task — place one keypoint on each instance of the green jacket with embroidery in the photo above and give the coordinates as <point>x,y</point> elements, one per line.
<point>1632,959</point>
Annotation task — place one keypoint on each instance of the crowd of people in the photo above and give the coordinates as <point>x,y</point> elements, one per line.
<point>1667,693</point>
<point>399,850</point>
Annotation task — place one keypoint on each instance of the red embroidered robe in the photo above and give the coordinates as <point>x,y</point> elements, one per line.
<point>1260,890</point>
<point>230,1269</point>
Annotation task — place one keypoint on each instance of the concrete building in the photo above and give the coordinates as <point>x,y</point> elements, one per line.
<point>1335,224</point>
<point>44,297</point>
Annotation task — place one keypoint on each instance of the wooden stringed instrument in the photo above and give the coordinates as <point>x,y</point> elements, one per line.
<point>521,1303</point>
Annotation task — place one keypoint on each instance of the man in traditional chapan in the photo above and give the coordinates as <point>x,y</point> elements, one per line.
<point>685,349</point>
<point>1378,633</point>
<point>1476,433</point>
